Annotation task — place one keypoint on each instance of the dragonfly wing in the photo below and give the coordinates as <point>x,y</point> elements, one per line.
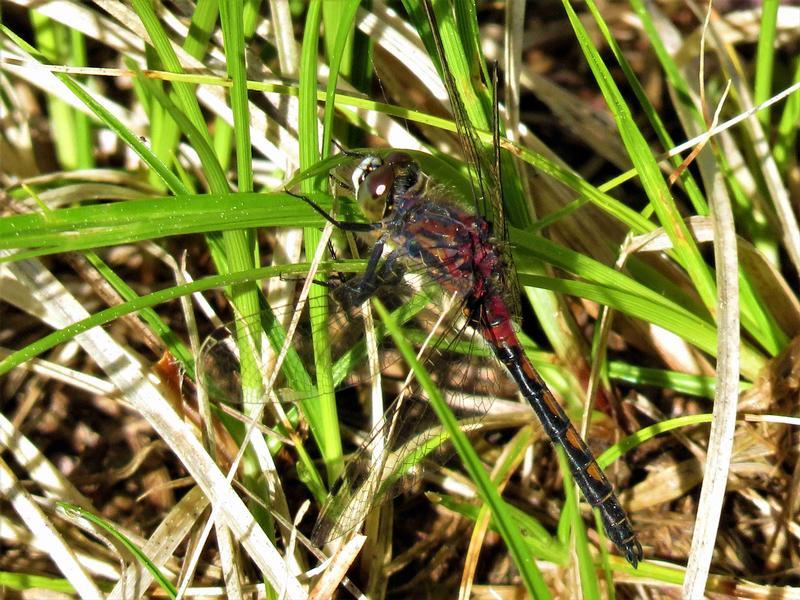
<point>389,461</point>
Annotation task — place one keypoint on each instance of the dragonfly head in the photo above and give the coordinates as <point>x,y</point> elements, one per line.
<point>377,181</point>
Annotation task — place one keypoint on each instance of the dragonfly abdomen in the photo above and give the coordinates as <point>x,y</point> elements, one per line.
<point>596,488</point>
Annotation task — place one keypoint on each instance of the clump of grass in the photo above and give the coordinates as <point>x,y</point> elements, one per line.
<point>148,159</point>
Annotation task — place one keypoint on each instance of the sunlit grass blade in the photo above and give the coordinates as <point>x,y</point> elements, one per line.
<point>93,226</point>
<point>765,57</point>
<point>325,420</point>
<point>26,582</point>
<point>696,385</point>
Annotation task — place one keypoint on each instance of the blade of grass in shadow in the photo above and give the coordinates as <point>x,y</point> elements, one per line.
<point>605,559</point>
<point>786,139</point>
<point>502,517</point>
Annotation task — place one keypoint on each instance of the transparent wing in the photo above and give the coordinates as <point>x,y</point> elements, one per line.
<point>220,362</point>
<point>483,160</point>
<point>389,461</point>
<point>479,156</point>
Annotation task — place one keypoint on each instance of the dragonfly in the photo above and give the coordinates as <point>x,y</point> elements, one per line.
<point>422,227</point>
<point>458,251</point>
<point>457,248</point>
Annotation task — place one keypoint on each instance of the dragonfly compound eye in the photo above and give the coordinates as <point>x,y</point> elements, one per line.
<point>374,192</point>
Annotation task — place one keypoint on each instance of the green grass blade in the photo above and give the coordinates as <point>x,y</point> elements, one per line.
<point>539,542</point>
<point>683,383</point>
<point>184,92</point>
<point>755,316</point>
<point>786,139</point>
<point>691,328</point>
<point>164,131</point>
<point>641,436</point>
<point>590,587</point>
<point>25,582</point>
<point>690,185</point>
<point>94,226</point>
<point>241,254</point>
<point>339,18</point>
<point>323,421</point>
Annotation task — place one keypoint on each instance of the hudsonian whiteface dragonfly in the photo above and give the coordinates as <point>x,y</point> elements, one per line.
<point>423,228</point>
<point>457,250</point>
<point>438,240</point>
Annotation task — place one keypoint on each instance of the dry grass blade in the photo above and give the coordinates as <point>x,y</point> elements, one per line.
<point>161,546</point>
<point>62,308</point>
<point>720,443</point>
<point>340,562</point>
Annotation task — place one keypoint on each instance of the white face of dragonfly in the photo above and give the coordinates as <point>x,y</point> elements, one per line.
<point>364,168</point>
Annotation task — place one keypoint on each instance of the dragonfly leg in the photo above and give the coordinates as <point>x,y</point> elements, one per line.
<point>376,275</point>
<point>346,152</point>
<point>343,225</point>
